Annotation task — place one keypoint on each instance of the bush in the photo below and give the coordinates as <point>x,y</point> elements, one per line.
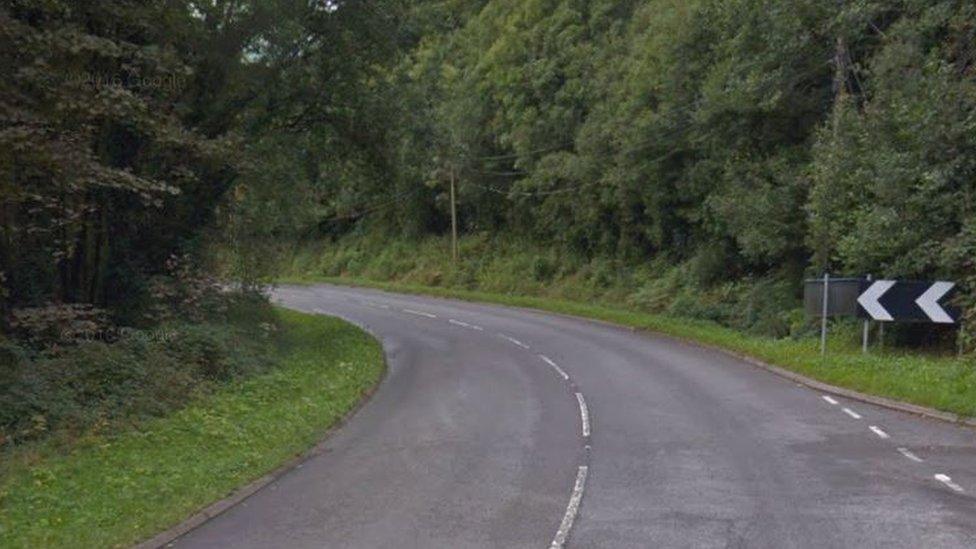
<point>56,324</point>
<point>710,264</point>
<point>124,374</point>
<point>543,269</point>
<point>766,307</point>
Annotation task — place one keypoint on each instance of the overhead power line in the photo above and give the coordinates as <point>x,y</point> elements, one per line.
<point>364,210</point>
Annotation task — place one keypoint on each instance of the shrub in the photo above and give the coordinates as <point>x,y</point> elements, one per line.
<point>57,324</point>
<point>124,374</point>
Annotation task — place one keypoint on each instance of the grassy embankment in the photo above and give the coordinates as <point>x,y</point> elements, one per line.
<point>658,301</point>
<point>112,491</point>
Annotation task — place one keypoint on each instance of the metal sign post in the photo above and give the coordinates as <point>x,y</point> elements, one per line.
<point>830,297</point>
<point>878,300</point>
<point>867,329</point>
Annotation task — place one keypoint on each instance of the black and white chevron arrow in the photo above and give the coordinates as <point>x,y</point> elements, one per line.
<point>899,301</point>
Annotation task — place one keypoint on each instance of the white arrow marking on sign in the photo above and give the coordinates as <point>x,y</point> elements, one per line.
<point>869,300</point>
<point>929,302</point>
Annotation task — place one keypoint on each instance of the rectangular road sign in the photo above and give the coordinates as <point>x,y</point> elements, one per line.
<point>908,301</point>
<point>842,298</point>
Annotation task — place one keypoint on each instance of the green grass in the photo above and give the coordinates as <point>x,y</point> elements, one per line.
<point>114,491</point>
<point>940,382</point>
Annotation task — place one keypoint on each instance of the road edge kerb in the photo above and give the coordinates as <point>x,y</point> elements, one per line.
<point>806,381</point>
<point>171,534</point>
<point>851,394</point>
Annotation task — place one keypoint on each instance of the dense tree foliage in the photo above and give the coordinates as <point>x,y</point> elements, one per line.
<point>748,138</point>
<point>137,140</point>
<point>135,132</point>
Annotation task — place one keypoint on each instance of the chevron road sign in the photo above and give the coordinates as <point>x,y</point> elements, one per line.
<point>907,301</point>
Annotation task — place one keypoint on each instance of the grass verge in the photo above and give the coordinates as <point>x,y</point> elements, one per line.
<point>114,491</point>
<point>940,382</point>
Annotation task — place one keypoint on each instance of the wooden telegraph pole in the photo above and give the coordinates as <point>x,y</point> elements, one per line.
<point>454,233</point>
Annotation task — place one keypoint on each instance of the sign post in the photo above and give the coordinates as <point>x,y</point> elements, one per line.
<point>867,329</point>
<point>830,297</point>
<point>879,300</point>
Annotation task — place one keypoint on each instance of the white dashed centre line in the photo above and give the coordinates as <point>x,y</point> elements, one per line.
<point>515,341</point>
<point>830,400</point>
<point>907,453</point>
<point>571,510</point>
<point>463,324</point>
<point>852,413</point>
<point>877,430</point>
<point>419,313</point>
<point>584,415</point>
<point>555,366</point>
<point>945,479</point>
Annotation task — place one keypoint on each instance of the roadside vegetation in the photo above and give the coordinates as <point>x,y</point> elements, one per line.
<point>761,319</point>
<point>676,159</point>
<point>143,371</point>
<point>740,145</point>
<point>114,487</point>
<point>161,163</point>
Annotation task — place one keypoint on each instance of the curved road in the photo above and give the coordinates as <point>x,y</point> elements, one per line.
<point>501,427</point>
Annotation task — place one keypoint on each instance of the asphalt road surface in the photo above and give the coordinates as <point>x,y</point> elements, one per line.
<point>501,427</point>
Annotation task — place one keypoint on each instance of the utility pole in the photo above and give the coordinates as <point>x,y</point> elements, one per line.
<point>823,315</point>
<point>454,234</point>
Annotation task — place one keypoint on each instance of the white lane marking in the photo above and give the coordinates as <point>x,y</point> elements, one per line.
<point>419,313</point>
<point>571,510</point>
<point>584,415</point>
<point>515,341</point>
<point>944,479</point>
<point>830,400</point>
<point>555,366</point>
<point>877,430</point>
<point>852,413</point>
<point>465,325</point>
<point>907,453</point>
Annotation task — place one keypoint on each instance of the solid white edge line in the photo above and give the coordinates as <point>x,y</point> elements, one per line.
<point>419,313</point>
<point>852,413</point>
<point>945,479</point>
<point>877,430</point>
<point>571,510</point>
<point>584,415</point>
<point>555,366</point>
<point>907,453</point>
<point>830,400</point>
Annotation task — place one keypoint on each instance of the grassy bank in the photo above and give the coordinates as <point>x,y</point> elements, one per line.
<point>940,382</point>
<point>698,288</point>
<point>112,491</point>
<point>651,298</point>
